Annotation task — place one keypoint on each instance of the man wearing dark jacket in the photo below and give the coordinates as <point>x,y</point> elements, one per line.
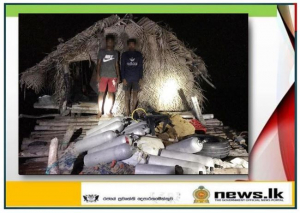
<point>132,74</point>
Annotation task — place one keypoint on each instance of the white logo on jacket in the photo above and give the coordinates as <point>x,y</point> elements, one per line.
<point>132,62</point>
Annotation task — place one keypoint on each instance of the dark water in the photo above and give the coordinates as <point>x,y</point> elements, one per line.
<point>221,40</point>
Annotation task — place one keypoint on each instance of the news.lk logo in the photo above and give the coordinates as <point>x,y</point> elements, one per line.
<point>273,194</point>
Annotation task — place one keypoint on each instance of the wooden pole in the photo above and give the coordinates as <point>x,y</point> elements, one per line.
<point>53,158</point>
<point>67,137</point>
<point>80,119</point>
<point>60,127</point>
<point>62,123</point>
<point>37,116</point>
<point>197,110</point>
<point>46,132</point>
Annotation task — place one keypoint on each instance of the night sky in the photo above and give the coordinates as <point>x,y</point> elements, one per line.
<point>220,39</point>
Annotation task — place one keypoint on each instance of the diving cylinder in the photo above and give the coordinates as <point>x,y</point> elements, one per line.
<point>148,169</point>
<point>117,118</point>
<point>140,131</point>
<point>93,141</point>
<point>104,124</point>
<point>114,142</point>
<point>189,145</point>
<point>206,161</point>
<point>133,125</point>
<point>115,126</point>
<point>129,129</point>
<point>188,166</point>
<point>121,152</point>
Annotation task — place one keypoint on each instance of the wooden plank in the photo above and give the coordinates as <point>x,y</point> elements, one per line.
<point>67,137</point>
<point>84,111</point>
<point>50,132</point>
<point>52,135</point>
<point>44,135</point>
<point>62,123</point>
<point>208,116</point>
<point>34,160</point>
<point>33,168</point>
<point>47,138</point>
<point>50,106</point>
<point>239,171</point>
<point>238,153</point>
<point>78,119</point>
<point>37,116</point>
<point>30,140</point>
<point>69,121</point>
<point>46,132</point>
<point>60,127</point>
<point>52,157</point>
<point>36,154</point>
<point>88,107</point>
<point>214,132</point>
<point>27,144</point>
<point>86,104</point>
<point>84,108</point>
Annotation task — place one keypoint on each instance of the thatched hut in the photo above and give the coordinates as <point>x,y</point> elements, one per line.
<point>171,70</point>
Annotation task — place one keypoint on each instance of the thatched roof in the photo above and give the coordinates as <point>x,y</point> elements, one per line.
<point>166,59</point>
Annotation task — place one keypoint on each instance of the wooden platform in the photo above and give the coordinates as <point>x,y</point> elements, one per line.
<point>34,150</point>
<point>37,145</point>
<point>82,107</point>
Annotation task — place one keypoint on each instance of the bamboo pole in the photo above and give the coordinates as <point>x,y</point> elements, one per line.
<point>69,121</point>
<point>230,171</point>
<point>60,127</point>
<point>51,132</point>
<point>84,111</point>
<point>49,123</point>
<point>53,157</point>
<point>31,140</point>
<point>67,137</point>
<point>46,139</point>
<point>52,135</point>
<point>36,155</point>
<point>76,119</point>
<point>37,116</point>
<point>43,135</point>
<point>198,110</point>
<point>51,106</point>
<point>27,141</point>
<point>68,124</point>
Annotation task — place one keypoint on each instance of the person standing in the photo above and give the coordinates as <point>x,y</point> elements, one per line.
<point>132,74</point>
<point>108,74</point>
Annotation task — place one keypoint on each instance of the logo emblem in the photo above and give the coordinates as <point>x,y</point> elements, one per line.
<point>108,58</point>
<point>201,195</point>
<point>132,59</point>
<point>90,198</point>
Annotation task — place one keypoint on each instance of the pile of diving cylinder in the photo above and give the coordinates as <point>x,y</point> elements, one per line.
<point>130,141</point>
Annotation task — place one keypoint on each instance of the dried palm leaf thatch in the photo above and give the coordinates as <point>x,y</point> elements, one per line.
<point>169,66</point>
<point>33,80</point>
<point>59,84</point>
<point>34,77</point>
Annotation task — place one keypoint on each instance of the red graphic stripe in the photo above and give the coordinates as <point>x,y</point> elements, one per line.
<point>286,132</point>
<point>283,122</point>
